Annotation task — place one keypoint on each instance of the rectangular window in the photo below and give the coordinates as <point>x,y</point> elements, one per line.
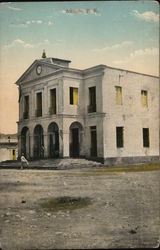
<point>73,96</point>
<point>146,137</point>
<point>144,97</point>
<point>119,137</point>
<point>26,107</point>
<point>118,95</point>
<point>53,101</point>
<point>92,100</point>
<point>39,104</point>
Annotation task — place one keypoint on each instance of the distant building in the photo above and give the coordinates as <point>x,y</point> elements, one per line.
<point>8,147</point>
<point>101,113</point>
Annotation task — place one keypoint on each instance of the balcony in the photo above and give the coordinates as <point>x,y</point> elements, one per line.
<point>25,115</point>
<point>38,113</point>
<point>91,108</point>
<point>52,111</point>
<point>93,151</point>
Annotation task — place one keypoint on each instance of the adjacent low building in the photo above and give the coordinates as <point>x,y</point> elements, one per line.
<point>8,147</point>
<point>101,113</point>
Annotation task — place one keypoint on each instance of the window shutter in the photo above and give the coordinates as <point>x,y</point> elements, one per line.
<point>75,96</point>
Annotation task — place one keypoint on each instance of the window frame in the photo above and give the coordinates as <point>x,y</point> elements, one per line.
<point>144,93</point>
<point>121,99</point>
<point>92,107</point>
<point>26,111</point>
<point>53,111</point>
<point>72,101</point>
<point>120,137</point>
<point>146,138</point>
<point>39,114</point>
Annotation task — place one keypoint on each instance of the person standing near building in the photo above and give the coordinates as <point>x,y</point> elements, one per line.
<point>24,161</point>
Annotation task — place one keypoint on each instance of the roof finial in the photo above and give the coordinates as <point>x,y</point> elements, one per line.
<point>44,54</point>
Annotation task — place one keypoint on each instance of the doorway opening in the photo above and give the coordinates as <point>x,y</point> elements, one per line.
<point>53,135</point>
<point>25,142</point>
<point>93,133</point>
<point>75,139</point>
<point>38,142</point>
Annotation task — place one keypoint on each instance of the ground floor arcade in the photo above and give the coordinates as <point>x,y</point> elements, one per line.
<point>59,138</point>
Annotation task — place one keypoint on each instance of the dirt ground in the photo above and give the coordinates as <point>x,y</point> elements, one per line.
<point>124,210</point>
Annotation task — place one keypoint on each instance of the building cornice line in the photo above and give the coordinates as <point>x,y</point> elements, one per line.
<point>81,72</point>
<point>51,117</point>
<point>62,70</point>
<point>39,81</point>
<point>130,71</point>
<point>40,78</point>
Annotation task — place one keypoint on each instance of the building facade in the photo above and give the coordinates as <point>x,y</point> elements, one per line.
<point>8,148</point>
<point>101,113</point>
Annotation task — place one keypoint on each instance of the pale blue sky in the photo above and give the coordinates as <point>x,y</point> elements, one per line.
<point>122,34</point>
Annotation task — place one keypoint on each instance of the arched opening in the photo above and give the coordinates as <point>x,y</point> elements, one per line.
<point>53,136</point>
<point>38,142</point>
<point>25,143</point>
<point>75,139</point>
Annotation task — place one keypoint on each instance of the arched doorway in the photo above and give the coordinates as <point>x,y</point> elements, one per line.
<point>75,138</point>
<point>38,142</point>
<point>25,143</point>
<point>53,146</point>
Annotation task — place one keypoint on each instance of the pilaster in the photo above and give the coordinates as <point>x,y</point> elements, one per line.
<point>65,152</point>
<point>31,139</point>
<point>46,153</point>
<point>45,101</point>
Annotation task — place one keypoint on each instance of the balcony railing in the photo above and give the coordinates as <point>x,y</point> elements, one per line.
<point>25,115</point>
<point>52,111</point>
<point>93,151</point>
<point>38,113</point>
<point>91,108</point>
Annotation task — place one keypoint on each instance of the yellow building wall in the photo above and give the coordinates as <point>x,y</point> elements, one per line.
<point>12,154</point>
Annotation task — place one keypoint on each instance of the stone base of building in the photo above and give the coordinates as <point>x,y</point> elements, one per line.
<point>111,161</point>
<point>96,159</point>
<point>117,161</point>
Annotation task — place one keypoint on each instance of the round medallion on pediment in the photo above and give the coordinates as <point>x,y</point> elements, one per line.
<point>39,69</point>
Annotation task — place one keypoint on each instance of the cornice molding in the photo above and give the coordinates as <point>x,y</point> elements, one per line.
<point>57,116</point>
<point>83,74</point>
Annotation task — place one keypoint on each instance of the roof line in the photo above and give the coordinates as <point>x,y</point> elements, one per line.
<point>25,72</point>
<point>54,58</point>
<point>37,62</point>
<point>41,61</point>
<point>106,66</point>
<point>131,71</point>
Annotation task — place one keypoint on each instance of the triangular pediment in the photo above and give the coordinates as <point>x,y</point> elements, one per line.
<point>37,70</point>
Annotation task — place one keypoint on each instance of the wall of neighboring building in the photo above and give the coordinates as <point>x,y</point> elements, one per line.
<point>4,154</point>
<point>131,114</point>
<point>6,139</point>
<point>8,151</point>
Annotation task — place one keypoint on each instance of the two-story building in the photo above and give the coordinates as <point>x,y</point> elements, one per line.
<point>102,113</point>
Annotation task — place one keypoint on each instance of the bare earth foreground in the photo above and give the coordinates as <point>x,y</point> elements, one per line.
<point>124,209</point>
